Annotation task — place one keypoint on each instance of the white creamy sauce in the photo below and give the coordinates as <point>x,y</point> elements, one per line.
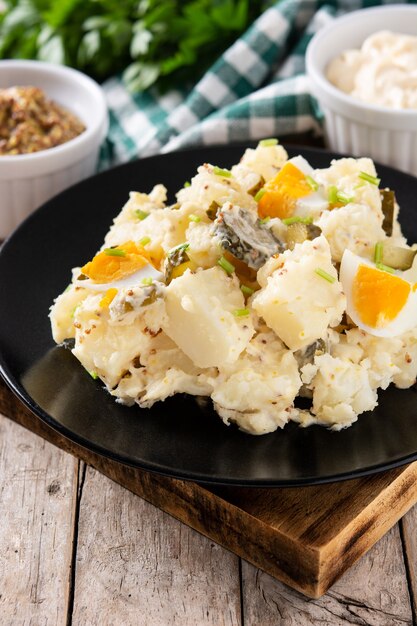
<point>382,72</point>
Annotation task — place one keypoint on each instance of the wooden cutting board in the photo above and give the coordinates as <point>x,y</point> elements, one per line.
<point>306,537</point>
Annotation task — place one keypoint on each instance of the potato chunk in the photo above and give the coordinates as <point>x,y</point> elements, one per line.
<point>200,308</point>
<point>297,302</point>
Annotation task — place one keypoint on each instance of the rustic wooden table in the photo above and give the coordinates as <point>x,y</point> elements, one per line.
<point>75,548</point>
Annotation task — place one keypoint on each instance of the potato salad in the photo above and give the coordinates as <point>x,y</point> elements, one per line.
<point>263,284</point>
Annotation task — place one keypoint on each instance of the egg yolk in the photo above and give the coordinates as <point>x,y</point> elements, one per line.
<point>116,263</point>
<point>378,296</point>
<point>282,192</point>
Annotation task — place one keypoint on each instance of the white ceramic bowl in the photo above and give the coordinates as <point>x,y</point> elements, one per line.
<point>28,180</point>
<point>352,126</point>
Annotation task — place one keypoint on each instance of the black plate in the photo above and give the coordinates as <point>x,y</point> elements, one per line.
<point>177,437</point>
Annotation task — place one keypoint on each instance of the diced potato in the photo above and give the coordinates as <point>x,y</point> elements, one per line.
<point>200,308</point>
<point>62,313</point>
<point>297,302</point>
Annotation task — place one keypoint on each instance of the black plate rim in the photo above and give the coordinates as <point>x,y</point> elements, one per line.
<point>156,468</point>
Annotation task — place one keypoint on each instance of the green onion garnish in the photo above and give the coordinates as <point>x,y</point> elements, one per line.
<point>369,178</point>
<point>343,198</point>
<point>378,253</point>
<point>266,143</point>
<point>142,215</point>
<point>332,194</point>
<point>187,183</point>
<point>265,220</point>
<point>221,172</point>
<point>325,275</point>
<point>246,290</point>
<point>259,195</point>
<point>385,268</point>
<point>93,374</point>
<point>144,241</point>
<point>114,252</point>
<point>147,281</point>
<point>225,265</point>
<point>313,184</point>
<point>297,220</point>
<point>194,218</point>
<point>241,312</point>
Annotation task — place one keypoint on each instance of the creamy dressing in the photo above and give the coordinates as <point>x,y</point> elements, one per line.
<point>382,72</point>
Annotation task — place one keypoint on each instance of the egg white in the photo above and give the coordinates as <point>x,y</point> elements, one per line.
<point>407,316</point>
<point>315,202</point>
<point>148,271</point>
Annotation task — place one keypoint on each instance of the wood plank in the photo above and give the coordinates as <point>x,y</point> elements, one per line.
<point>306,537</point>
<point>137,565</point>
<point>409,534</point>
<point>373,592</point>
<point>37,497</point>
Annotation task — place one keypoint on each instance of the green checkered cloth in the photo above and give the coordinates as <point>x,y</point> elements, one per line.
<point>257,88</point>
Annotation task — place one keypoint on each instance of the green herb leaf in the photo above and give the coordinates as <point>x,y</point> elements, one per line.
<point>267,143</point>
<point>221,172</point>
<point>379,252</point>
<point>114,252</point>
<point>323,274</point>
<point>142,215</point>
<point>241,312</point>
<point>225,265</point>
<point>369,178</point>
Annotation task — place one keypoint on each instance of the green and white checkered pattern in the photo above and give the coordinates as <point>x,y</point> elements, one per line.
<point>256,89</point>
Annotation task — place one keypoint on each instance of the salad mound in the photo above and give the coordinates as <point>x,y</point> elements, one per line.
<point>261,284</point>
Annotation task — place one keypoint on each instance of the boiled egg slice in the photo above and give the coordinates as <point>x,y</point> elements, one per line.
<point>383,303</point>
<point>125,265</point>
<point>293,191</point>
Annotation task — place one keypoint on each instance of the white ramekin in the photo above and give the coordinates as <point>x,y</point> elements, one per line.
<point>28,180</point>
<point>352,126</point>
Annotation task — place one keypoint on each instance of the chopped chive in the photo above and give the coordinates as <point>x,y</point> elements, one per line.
<point>297,220</point>
<point>374,180</point>
<point>147,281</point>
<point>332,194</point>
<point>246,290</point>
<point>313,184</point>
<point>265,220</point>
<point>241,312</point>
<point>144,241</point>
<point>114,252</point>
<point>343,198</point>
<point>225,265</point>
<point>378,253</point>
<point>93,374</point>
<point>194,218</point>
<point>385,268</point>
<point>142,215</point>
<point>221,172</point>
<point>266,143</point>
<point>187,183</point>
<point>325,275</point>
<point>260,194</point>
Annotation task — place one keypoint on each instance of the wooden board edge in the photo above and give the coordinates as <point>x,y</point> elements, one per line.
<point>389,506</point>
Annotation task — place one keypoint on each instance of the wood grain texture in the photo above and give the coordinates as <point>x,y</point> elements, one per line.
<point>137,565</point>
<point>37,495</point>
<point>305,537</point>
<point>372,593</point>
<point>408,528</point>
